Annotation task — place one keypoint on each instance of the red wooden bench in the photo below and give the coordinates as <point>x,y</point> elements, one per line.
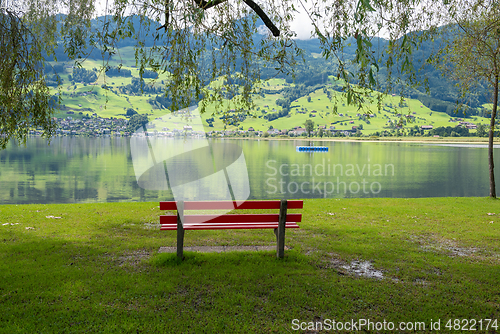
<point>278,222</point>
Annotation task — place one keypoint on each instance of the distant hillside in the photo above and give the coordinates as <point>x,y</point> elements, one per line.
<point>281,105</point>
<point>316,73</point>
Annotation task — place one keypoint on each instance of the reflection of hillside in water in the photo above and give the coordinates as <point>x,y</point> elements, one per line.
<point>77,169</point>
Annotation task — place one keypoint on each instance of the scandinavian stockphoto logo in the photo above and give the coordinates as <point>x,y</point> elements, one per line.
<point>194,168</point>
<point>325,178</point>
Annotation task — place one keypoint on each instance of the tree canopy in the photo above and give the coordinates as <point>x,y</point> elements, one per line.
<point>136,122</point>
<point>309,125</point>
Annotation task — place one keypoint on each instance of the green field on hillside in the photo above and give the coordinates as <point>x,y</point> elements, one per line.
<point>111,102</point>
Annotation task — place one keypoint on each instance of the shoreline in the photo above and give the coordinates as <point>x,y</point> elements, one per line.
<point>352,199</point>
<point>417,140</point>
<point>459,140</point>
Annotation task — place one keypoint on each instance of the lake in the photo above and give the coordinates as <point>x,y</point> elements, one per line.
<point>78,170</point>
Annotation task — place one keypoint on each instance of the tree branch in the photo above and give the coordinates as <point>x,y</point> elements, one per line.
<point>167,16</point>
<point>250,3</point>
<point>267,21</point>
<point>209,4</point>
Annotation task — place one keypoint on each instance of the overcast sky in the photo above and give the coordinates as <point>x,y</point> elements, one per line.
<point>301,25</point>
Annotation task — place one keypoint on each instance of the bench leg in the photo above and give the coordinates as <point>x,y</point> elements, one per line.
<point>180,230</point>
<point>180,242</point>
<point>280,231</point>
<point>280,246</point>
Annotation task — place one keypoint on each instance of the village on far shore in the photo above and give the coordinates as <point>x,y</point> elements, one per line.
<point>94,126</point>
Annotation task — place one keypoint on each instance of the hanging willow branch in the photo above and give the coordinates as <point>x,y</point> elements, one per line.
<point>25,101</point>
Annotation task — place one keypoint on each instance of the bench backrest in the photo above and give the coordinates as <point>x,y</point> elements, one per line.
<point>230,221</point>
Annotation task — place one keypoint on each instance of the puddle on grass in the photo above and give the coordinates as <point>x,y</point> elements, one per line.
<point>355,268</point>
<point>461,251</point>
<point>437,244</point>
<point>363,268</point>
<point>146,225</point>
<point>452,248</point>
<point>149,226</point>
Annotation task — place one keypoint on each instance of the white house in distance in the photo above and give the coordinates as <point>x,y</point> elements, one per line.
<point>468,125</point>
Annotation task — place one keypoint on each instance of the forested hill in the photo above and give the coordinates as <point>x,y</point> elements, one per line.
<point>441,95</point>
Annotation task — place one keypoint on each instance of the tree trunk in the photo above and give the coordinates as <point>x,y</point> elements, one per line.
<point>490,140</point>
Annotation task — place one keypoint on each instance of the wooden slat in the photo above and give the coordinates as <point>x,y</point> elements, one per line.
<point>259,205</point>
<point>215,219</point>
<point>226,226</point>
<point>295,204</point>
<point>168,219</point>
<point>233,224</point>
<point>229,205</point>
<point>210,205</point>
<point>256,205</point>
<point>232,227</point>
<point>168,206</point>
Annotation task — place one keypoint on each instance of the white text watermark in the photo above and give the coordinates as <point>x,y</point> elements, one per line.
<point>400,326</point>
<point>325,178</point>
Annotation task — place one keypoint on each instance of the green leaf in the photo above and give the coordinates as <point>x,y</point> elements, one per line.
<point>371,79</point>
<point>366,5</point>
<point>349,97</point>
<point>131,26</point>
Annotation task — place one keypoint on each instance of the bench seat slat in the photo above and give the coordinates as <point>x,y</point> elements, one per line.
<point>198,219</point>
<point>168,219</point>
<point>230,205</point>
<point>226,226</point>
<point>233,224</point>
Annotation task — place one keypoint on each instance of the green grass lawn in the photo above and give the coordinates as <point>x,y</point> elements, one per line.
<point>97,269</point>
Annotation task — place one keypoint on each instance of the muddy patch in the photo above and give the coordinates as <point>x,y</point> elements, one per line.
<point>364,269</point>
<point>441,245</point>
<point>358,268</point>
<point>151,226</point>
<point>133,258</point>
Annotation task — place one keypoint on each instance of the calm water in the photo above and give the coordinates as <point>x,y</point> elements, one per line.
<point>101,170</point>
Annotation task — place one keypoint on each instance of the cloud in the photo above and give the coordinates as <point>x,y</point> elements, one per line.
<point>302,25</point>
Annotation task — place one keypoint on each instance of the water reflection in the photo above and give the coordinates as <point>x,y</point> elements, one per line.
<point>73,169</point>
